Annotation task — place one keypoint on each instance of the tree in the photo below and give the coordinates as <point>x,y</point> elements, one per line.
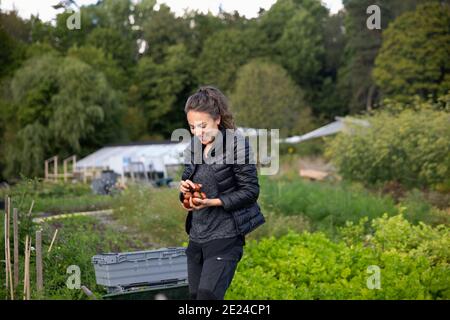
<point>62,106</point>
<point>100,61</point>
<point>122,49</point>
<point>414,57</point>
<point>160,90</point>
<point>300,33</point>
<point>355,82</point>
<point>301,48</point>
<point>162,30</point>
<point>224,52</point>
<point>201,27</point>
<point>274,20</point>
<point>266,97</point>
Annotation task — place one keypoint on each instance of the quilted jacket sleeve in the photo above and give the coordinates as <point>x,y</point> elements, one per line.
<point>246,178</point>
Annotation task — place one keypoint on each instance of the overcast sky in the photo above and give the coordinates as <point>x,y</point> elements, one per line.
<point>249,8</point>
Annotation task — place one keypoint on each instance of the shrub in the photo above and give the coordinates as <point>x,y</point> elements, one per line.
<point>413,260</point>
<point>408,146</point>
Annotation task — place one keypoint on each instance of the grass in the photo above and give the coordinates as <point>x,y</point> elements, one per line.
<point>155,212</point>
<point>327,205</point>
<point>78,240</point>
<point>53,198</point>
<point>73,204</point>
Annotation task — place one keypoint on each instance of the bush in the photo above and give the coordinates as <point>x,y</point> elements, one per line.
<point>413,261</point>
<point>409,146</point>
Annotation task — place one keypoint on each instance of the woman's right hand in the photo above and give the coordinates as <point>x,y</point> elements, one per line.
<point>186,186</point>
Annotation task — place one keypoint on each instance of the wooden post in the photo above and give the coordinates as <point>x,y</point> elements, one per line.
<point>46,170</point>
<point>6,245</point>
<point>65,171</point>
<point>26,280</point>
<point>53,240</point>
<point>39,280</point>
<point>28,271</point>
<point>16,247</point>
<point>88,292</point>
<point>55,169</point>
<point>74,164</point>
<point>31,208</point>
<point>25,269</point>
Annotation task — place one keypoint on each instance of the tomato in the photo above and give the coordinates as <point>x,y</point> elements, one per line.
<point>196,187</point>
<point>187,195</point>
<point>186,204</point>
<point>203,195</point>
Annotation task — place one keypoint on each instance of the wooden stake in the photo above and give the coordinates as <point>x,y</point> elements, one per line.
<point>31,208</point>
<point>39,280</point>
<point>26,280</point>
<point>6,246</point>
<point>65,171</point>
<point>53,240</point>
<point>28,271</point>
<point>25,269</point>
<point>46,170</point>
<point>88,292</point>
<point>11,288</point>
<point>16,247</point>
<point>55,169</point>
<point>4,234</point>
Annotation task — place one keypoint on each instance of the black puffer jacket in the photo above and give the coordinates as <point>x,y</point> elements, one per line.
<point>237,182</point>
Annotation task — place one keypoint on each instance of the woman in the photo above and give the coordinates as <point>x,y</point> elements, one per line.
<point>218,224</point>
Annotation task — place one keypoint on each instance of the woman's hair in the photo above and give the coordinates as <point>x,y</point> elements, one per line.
<point>212,101</point>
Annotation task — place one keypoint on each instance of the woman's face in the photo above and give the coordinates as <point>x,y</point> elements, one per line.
<point>203,126</point>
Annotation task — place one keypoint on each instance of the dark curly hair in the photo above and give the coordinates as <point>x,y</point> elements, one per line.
<point>212,101</point>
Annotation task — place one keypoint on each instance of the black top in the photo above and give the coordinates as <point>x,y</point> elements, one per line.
<point>211,222</point>
<point>237,183</point>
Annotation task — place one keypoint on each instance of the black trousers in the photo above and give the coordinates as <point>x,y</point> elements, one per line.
<point>211,266</point>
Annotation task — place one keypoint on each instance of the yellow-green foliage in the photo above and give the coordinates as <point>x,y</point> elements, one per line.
<point>411,146</point>
<point>413,261</point>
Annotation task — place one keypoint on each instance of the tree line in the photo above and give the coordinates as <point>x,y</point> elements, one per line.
<point>127,72</point>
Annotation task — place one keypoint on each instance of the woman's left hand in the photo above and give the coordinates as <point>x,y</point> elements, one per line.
<point>203,203</point>
<point>200,203</point>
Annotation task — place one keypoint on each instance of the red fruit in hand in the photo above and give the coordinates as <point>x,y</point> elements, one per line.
<point>186,204</point>
<point>203,195</point>
<point>196,194</point>
<point>187,195</point>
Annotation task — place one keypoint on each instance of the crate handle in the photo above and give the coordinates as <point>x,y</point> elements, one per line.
<point>121,259</point>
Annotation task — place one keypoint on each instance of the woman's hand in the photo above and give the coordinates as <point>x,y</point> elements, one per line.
<point>199,203</point>
<point>203,203</point>
<point>187,186</point>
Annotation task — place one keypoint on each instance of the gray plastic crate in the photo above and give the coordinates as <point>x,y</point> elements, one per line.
<point>119,271</point>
